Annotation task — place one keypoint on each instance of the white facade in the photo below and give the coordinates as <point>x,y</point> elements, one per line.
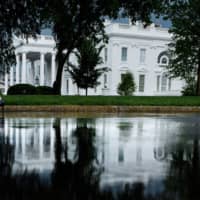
<point>143,52</point>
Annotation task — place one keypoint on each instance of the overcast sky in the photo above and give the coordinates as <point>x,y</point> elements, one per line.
<point>159,21</point>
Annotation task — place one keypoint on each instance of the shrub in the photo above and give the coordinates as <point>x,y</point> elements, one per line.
<point>44,90</point>
<point>22,89</point>
<point>190,88</point>
<point>127,85</point>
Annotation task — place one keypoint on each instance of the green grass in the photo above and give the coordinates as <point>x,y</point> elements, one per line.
<point>101,100</point>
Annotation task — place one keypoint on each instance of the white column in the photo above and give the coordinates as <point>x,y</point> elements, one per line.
<point>160,89</point>
<point>41,68</point>
<point>51,142</point>
<point>32,72</point>
<point>24,67</point>
<point>6,127</point>
<point>23,143</point>
<point>17,68</point>
<point>17,143</point>
<point>12,75</point>
<point>6,83</point>
<point>41,141</point>
<point>53,68</point>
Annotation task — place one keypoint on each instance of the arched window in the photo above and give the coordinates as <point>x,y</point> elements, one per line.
<point>163,83</point>
<point>163,59</point>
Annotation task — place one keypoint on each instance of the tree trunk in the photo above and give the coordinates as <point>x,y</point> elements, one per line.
<point>58,142</point>
<point>78,90</point>
<point>61,61</point>
<point>198,79</point>
<point>86,91</point>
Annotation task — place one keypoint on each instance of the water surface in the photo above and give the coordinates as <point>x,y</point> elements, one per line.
<point>106,157</point>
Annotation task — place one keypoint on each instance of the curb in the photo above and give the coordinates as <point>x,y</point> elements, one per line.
<point>104,109</point>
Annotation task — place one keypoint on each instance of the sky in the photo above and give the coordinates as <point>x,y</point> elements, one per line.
<point>160,21</point>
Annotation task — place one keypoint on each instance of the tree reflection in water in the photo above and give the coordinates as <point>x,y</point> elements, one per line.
<point>80,178</point>
<point>183,178</point>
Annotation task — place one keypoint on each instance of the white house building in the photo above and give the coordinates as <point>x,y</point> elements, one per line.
<point>141,51</point>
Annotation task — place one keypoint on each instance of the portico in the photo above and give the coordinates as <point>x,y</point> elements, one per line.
<point>35,64</point>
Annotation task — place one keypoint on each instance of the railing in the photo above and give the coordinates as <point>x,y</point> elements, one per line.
<point>167,93</point>
<point>48,37</point>
<point>44,37</point>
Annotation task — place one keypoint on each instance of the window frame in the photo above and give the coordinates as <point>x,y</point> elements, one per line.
<point>106,54</point>
<point>143,55</point>
<point>161,60</point>
<point>141,86</point>
<point>124,57</point>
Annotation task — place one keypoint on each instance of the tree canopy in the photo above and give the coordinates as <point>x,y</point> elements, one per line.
<point>20,18</point>
<point>74,20</point>
<point>70,20</point>
<point>185,46</point>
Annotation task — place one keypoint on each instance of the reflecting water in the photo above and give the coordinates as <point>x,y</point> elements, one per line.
<point>138,157</point>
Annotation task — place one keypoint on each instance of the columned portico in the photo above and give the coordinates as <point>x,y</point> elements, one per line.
<point>35,63</point>
<point>36,68</point>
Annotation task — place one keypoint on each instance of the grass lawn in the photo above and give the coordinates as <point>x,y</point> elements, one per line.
<point>101,100</point>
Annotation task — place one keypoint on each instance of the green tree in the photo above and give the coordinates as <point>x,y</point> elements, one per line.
<point>185,48</point>
<point>86,73</point>
<point>19,18</point>
<point>127,85</point>
<point>74,20</point>
<point>190,88</point>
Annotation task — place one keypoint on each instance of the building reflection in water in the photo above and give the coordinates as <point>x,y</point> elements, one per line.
<point>121,148</point>
<point>111,151</point>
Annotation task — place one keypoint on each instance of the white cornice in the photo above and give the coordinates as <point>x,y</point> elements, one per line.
<point>143,70</point>
<point>137,36</point>
<point>35,45</point>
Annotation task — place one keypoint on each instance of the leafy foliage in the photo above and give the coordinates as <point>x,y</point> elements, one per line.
<point>86,19</point>
<point>85,75</point>
<point>81,19</point>
<point>21,17</point>
<point>141,11</point>
<point>70,20</point>
<point>190,88</point>
<point>127,85</point>
<point>27,89</point>
<point>185,48</point>
<point>44,90</point>
<point>22,89</point>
